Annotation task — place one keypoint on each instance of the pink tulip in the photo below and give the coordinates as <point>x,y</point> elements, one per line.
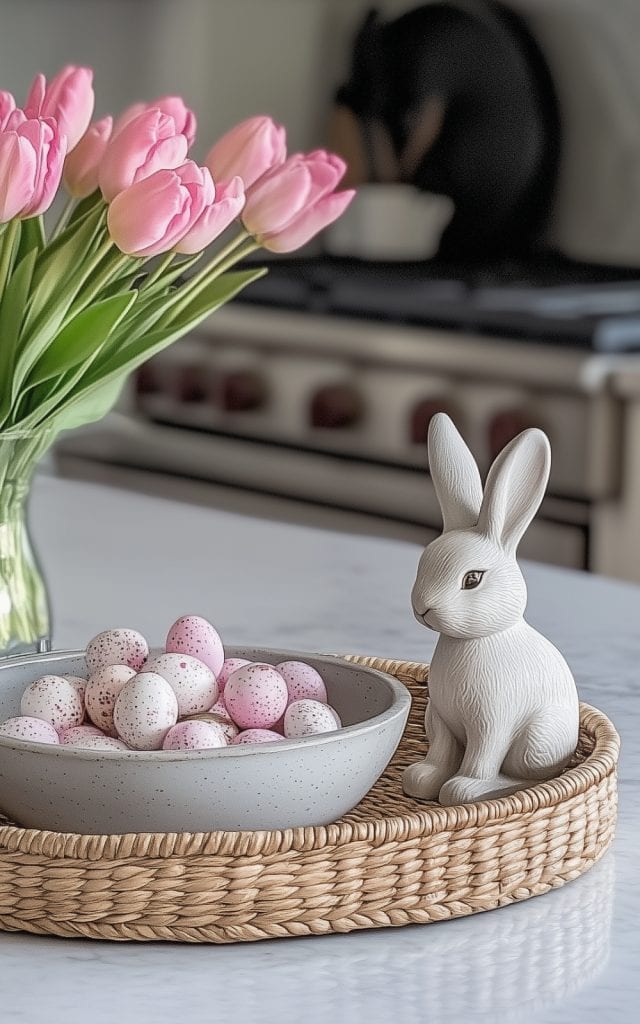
<point>249,150</point>
<point>32,152</point>
<point>150,142</point>
<point>81,167</point>
<point>174,106</point>
<point>153,215</point>
<point>228,202</point>
<point>7,106</point>
<point>295,201</point>
<point>68,97</point>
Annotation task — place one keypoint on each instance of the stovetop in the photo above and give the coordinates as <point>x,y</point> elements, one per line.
<point>548,299</point>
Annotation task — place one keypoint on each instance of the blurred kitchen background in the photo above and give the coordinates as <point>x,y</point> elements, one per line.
<point>489,267</point>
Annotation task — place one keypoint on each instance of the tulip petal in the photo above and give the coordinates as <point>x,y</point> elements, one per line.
<point>309,223</point>
<point>248,150</point>
<point>215,218</point>
<point>17,173</point>
<point>277,199</point>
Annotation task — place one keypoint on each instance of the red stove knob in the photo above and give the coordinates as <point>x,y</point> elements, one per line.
<point>422,414</point>
<point>504,426</point>
<point>188,384</point>
<point>334,406</point>
<point>242,391</point>
<point>147,381</point>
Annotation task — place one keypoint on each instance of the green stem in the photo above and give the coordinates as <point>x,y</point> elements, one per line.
<point>190,291</point>
<point>104,277</point>
<point>163,265</point>
<point>8,250</point>
<point>63,219</point>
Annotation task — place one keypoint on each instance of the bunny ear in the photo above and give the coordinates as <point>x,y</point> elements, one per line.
<point>455,475</point>
<point>515,487</point>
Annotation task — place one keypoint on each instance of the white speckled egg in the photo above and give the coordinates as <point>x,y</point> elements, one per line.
<point>102,692</point>
<point>145,710</point>
<point>54,700</point>
<point>303,681</point>
<point>229,665</point>
<point>308,718</point>
<point>80,685</point>
<point>26,728</point>
<point>101,743</point>
<point>257,736</point>
<point>255,696</point>
<point>193,683</point>
<point>117,647</point>
<point>335,715</point>
<point>193,635</point>
<point>194,735</point>
<point>71,737</point>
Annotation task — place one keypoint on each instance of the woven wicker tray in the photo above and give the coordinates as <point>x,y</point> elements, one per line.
<point>392,861</point>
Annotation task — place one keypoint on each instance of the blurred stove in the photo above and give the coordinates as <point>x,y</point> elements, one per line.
<point>319,385</point>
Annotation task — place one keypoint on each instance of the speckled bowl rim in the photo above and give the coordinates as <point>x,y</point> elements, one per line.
<point>400,704</point>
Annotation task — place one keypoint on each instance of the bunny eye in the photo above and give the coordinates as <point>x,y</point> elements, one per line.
<point>472,579</point>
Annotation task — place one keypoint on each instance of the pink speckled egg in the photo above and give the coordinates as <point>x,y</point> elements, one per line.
<point>73,737</point>
<point>193,683</point>
<point>257,736</point>
<point>25,727</point>
<point>194,735</point>
<point>303,681</point>
<point>308,718</point>
<point>145,710</point>
<point>229,665</point>
<point>101,743</point>
<point>101,694</point>
<point>255,696</point>
<point>193,635</point>
<point>54,700</point>
<point>117,647</point>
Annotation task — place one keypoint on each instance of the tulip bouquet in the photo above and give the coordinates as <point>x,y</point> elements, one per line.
<point>86,301</point>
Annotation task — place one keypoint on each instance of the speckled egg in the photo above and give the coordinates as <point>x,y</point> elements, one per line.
<point>303,681</point>
<point>335,715</point>
<point>308,718</point>
<point>255,696</point>
<point>193,635</point>
<point>145,710</point>
<point>117,647</point>
<point>73,737</point>
<point>79,684</point>
<point>193,683</point>
<point>101,743</point>
<point>194,735</point>
<point>54,700</point>
<point>103,688</point>
<point>228,666</point>
<point>25,727</point>
<point>257,736</point>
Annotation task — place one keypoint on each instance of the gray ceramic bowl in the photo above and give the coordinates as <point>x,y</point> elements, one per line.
<point>311,781</point>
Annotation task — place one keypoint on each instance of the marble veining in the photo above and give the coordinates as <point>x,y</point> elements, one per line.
<point>571,955</point>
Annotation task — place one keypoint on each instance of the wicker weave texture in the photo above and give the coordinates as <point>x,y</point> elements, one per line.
<point>392,861</point>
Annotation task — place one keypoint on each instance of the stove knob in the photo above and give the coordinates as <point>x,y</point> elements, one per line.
<point>504,426</point>
<point>421,417</point>
<point>335,406</point>
<point>147,381</point>
<point>242,391</point>
<point>188,384</point>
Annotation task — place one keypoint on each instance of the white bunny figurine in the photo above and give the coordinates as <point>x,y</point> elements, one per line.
<point>503,712</point>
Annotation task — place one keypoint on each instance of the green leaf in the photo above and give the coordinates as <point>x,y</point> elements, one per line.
<point>90,409</point>
<point>119,359</point>
<point>12,310</point>
<point>33,236</point>
<point>59,263</point>
<point>80,338</point>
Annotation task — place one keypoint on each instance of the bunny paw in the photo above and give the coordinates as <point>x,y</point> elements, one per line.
<point>423,780</point>
<point>462,789</point>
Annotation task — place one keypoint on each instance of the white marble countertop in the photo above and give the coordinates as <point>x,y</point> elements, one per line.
<point>115,558</point>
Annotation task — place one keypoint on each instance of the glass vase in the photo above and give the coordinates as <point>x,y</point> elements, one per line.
<point>25,621</point>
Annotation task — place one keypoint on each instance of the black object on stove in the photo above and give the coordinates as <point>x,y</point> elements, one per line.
<point>553,300</point>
